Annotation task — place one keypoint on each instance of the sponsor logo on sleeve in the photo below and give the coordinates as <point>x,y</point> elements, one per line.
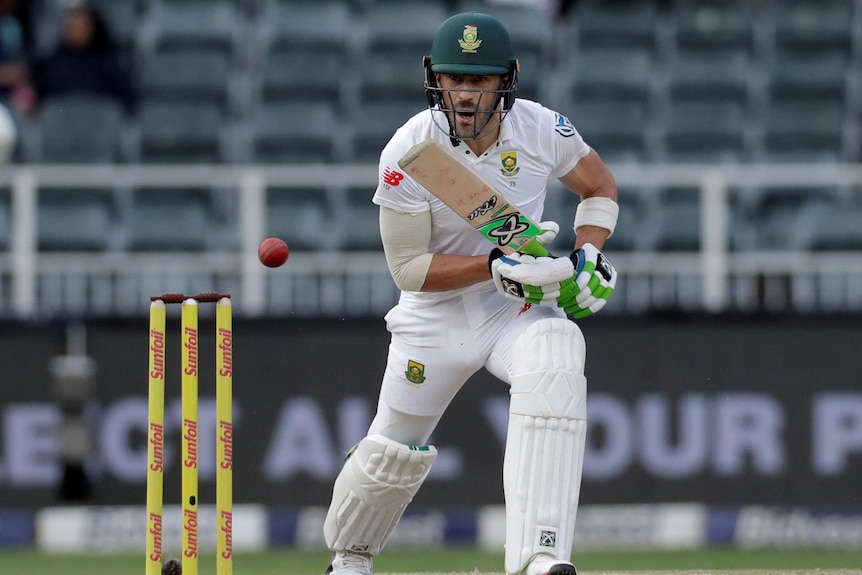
<point>392,177</point>
<point>564,127</point>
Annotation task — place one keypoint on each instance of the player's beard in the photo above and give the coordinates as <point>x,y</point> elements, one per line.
<point>472,121</point>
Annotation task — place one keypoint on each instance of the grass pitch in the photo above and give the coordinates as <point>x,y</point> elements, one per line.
<point>449,560</point>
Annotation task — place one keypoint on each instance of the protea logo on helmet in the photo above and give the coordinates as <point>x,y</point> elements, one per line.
<point>469,41</point>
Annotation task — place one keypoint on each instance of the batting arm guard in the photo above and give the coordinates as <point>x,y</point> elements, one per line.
<point>377,482</point>
<point>406,239</point>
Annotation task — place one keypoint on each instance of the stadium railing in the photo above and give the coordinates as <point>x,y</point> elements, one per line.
<point>338,281</point>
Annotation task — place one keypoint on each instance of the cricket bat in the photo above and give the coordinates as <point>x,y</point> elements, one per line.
<point>472,198</point>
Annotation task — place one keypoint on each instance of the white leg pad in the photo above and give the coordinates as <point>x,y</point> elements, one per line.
<point>377,482</point>
<point>545,442</point>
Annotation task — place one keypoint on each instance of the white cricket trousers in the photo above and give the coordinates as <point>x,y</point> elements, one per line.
<point>439,346</point>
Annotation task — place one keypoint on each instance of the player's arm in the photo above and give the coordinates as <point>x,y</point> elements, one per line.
<point>406,242</point>
<point>449,271</point>
<point>594,222</point>
<point>591,180</point>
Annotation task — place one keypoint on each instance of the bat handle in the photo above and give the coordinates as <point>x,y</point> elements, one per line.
<point>534,249</point>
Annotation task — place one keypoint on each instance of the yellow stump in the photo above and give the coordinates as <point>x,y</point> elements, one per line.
<point>190,349</point>
<point>156,437</point>
<point>224,437</point>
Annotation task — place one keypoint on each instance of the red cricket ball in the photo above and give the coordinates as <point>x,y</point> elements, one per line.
<point>272,252</point>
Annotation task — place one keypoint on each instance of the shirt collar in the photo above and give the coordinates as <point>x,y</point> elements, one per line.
<point>505,129</point>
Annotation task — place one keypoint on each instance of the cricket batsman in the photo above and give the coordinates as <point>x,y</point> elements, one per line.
<point>464,307</point>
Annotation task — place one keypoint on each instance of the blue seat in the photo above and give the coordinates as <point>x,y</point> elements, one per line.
<point>76,219</point>
<point>617,24</point>
<point>803,130</point>
<point>193,73</point>
<point>706,25</point>
<point>616,130</point>
<point>398,72</point>
<point>214,24</point>
<point>172,220</point>
<point>306,24</point>
<point>814,25</point>
<point>830,226</point>
<point>80,128</point>
<point>779,214</point>
<point>291,131</point>
<point>705,131</point>
<point>674,223</point>
<point>710,72</point>
<point>808,73</point>
<point>375,123</point>
<point>303,72</point>
<point>611,72</point>
<point>299,216</point>
<point>181,131</point>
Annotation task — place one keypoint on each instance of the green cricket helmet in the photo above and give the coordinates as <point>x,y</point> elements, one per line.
<point>471,44</point>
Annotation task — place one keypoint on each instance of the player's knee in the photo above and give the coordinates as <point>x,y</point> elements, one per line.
<point>547,376</point>
<point>379,461</point>
<point>550,344</point>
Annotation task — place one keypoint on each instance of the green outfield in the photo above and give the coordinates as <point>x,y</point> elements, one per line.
<point>453,560</point>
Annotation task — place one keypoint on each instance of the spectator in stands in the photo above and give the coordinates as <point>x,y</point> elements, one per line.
<point>16,43</point>
<point>85,60</point>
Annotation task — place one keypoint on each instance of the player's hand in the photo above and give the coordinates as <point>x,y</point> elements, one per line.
<point>595,279</point>
<point>541,281</point>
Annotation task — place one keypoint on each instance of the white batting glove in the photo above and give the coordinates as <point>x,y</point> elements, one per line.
<point>537,282</point>
<point>595,279</point>
<point>540,281</point>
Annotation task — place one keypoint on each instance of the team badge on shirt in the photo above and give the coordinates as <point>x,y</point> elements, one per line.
<point>510,164</point>
<point>415,371</point>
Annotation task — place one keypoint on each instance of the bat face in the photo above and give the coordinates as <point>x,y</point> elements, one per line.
<point>469,196</point>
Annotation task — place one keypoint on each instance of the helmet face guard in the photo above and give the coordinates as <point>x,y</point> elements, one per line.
<point>441,104</point>
<point>470,44</point>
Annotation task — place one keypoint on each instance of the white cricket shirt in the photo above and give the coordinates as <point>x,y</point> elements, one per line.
<point>535,144</point>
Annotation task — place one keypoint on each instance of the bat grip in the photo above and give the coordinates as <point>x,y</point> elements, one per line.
<point>534,249</point>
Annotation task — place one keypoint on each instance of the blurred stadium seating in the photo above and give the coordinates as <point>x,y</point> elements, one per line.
<point>282,82</point>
